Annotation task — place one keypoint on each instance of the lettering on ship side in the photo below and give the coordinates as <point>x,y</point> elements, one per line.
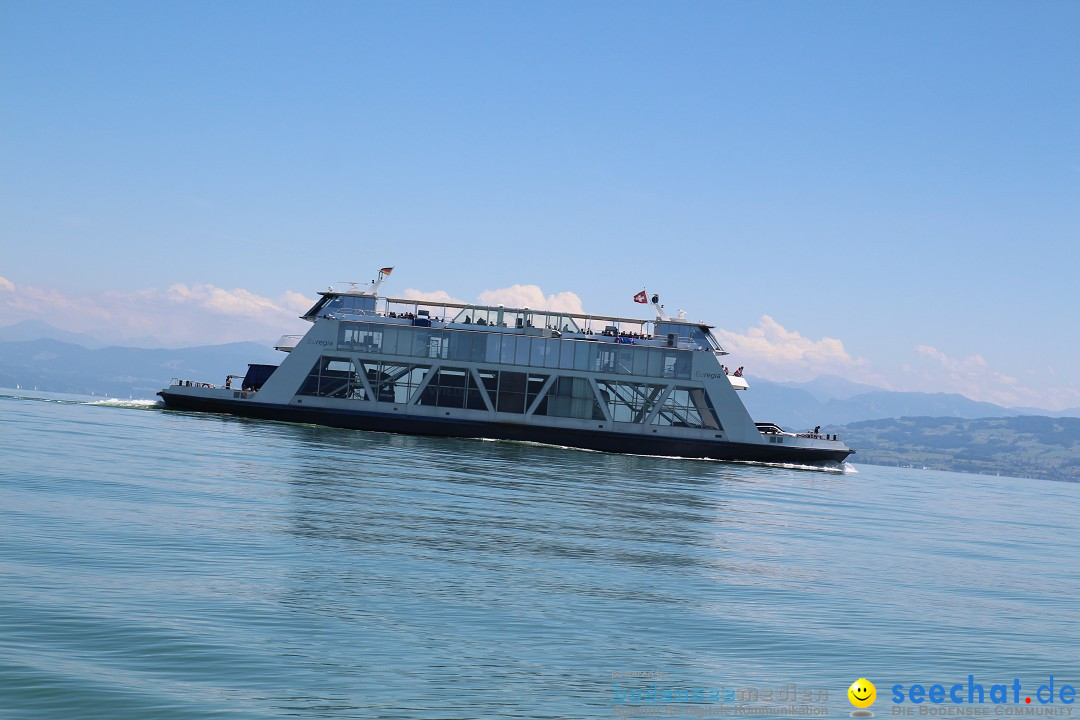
<point>324,343</point>
<point>709,375</point>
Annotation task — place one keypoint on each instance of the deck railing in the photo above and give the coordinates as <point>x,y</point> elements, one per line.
<point>191,383</point>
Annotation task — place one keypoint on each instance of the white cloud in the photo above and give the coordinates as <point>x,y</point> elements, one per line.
<point>973,377</point>
<point>532,297</point>
<point>434,296</point>
<point>184,314</point>
<point>771,350</point>
<point>181,314</point>
<point>237,303</point>
<point>297,302</point>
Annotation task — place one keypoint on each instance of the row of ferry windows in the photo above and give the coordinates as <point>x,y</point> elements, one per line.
<point>510,392</point>
<point>511,349</point>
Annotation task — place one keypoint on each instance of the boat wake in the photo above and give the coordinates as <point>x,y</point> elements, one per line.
<point>836,468</point>
<point>130,403</point>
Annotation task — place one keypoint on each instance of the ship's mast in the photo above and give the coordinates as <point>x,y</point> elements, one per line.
<point>373,289</point>
<point>660,314</point>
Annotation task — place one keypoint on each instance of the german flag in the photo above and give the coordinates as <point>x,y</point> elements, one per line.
<point>386,271</point>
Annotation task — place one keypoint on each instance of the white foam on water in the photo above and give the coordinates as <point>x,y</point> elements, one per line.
<point>69,399</point>
<point>138,404</point>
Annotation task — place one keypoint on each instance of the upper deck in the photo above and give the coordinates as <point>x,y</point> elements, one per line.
<point>665,332</point>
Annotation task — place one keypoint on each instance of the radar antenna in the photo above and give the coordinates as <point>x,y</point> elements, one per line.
<point>660,314</point>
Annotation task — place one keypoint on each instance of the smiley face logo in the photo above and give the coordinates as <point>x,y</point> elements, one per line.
<point>862,693</point>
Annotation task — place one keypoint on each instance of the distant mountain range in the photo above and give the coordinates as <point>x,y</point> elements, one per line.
<point>831,400</point>
<point>58,366</point>
<point>41,330</point>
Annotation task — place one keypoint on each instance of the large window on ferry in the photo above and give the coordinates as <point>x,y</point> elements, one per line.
<point>545,352</point>
<point>332,307</point>
<point>493,348</point>
<point>676,364</point>
<point>701,335</point>
<point>394,382</point>
<point>426,343</point>
<point>490,381</point>
<point>584,354</point>
<point>470,346</point>
<point>517,390</point>
<point>655,367</point>
<point>362,337</point>
<point>399,340</point>
<point>521,354</point>
<point>687,407</point>
<point>348,335</point>
<point>419,345</point>
<point>538,351</point>
<point>452,388</point>
<point>607,358</point>
<point>566,354</point>
<point>669,364</point>
<point>508,349</point>
<point>511,392</point>
<point>533,387</point>
<point>629,402</point>
<point>570,397</point>
<point>335,377</point>
<point>390,339</point>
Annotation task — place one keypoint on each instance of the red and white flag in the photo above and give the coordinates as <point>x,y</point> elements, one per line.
<point>642,298</point>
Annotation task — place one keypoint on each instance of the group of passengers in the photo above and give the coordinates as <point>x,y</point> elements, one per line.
<point>737,373</point>
<point>623,334</point>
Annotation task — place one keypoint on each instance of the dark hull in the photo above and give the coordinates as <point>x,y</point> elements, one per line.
<point>604,441</point>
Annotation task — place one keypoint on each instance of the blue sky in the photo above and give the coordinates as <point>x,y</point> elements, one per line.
<point>888,191</point>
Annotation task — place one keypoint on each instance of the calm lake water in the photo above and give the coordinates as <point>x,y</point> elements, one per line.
<point>165,565</point>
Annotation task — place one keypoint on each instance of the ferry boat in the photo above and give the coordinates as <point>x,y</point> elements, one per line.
<point>615,384</point>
